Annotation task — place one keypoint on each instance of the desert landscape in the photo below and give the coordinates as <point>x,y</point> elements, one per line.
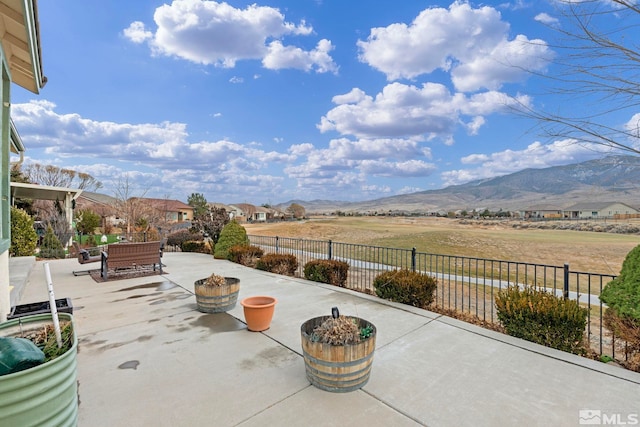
<point>509,240</point>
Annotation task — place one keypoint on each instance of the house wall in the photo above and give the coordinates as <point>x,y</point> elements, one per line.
<point>608,212</point>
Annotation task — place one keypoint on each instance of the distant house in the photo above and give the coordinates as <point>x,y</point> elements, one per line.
<point>542,211</point>
<point>588,210</point>
<point>171,211</point>
<point>103,205</point>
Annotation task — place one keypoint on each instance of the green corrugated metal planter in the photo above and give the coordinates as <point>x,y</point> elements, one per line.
<point>45,395</point>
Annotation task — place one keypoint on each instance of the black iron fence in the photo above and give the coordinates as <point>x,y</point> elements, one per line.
<point>465,284</point>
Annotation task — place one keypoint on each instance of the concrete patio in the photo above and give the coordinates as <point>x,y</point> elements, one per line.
<point>148,357</point>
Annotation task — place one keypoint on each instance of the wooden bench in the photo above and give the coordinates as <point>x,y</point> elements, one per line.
<point>131,255</point>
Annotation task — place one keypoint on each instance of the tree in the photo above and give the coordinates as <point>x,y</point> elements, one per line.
<point>87,221</point>
<point>231,235</point>
<point>211,222</point>
<point>23,236</point>
<point>595,76</point>
<point>199,204</point>
<point>51,246</point>
<point>59,177</point>
<point>131,208</point>
<point>296,210</point>
<point>18,176</point>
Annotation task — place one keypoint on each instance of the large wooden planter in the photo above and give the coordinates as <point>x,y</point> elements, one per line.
<point>217,299</point>
<point>46,394</point>
<point>337,368</point>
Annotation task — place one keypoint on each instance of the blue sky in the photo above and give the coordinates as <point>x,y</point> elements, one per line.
<point>292,99</point>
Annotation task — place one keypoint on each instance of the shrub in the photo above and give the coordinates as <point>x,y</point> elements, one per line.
<point>622,296</point>
<point>51,246</point>
<point>543,318</point>
<point>327,271</point>
<point>231,235</point>
<point>179,237</point>
<point>406,287</point>
<point>245,254</point>
<point>285,264</point>
<point>23,236</point>
<point>195,246</point>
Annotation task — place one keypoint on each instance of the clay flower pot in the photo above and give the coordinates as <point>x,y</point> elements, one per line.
<point>258,312</point>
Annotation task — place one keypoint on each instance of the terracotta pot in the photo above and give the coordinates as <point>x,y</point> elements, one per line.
<point>258,312</point>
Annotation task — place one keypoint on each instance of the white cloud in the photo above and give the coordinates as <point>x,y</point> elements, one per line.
<point>236,80</point>
<point>137,33</point>
<point>536,155</point>
<point>279,57</point>
<point>212,33</point>
<point>546,19</point>
<point>155,150</point>
<point>470,43</point>
<point>409,111</point>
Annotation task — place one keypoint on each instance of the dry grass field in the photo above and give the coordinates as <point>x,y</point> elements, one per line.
<point>584,251</point>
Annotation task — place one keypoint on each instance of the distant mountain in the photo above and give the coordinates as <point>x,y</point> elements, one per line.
<point>614,178</point>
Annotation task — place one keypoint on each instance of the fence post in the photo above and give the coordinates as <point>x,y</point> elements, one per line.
<point>330,249</point>
<point>277,242</point>
<point>565,289</point>
<point>413,259</point>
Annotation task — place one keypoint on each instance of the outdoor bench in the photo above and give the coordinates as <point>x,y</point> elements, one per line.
<point>131,255</point>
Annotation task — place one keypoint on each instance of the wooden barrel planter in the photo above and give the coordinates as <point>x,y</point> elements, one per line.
<point>337,368</point>
<point>45,394</point>
<point>217,299</point>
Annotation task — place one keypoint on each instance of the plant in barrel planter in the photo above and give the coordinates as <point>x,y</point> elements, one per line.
<point>216,294</point>
<point>338,351</point>
<point>38,389</point>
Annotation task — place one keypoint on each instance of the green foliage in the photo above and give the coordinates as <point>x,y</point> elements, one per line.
<point>51,246</point>
<point>23,236</point>
<point>285,264</point>
<point>195,246</point>
<point>87,221</point>
<point>327,271</point>
<point>179,237</point>
<point>231,235</point>
<point>622,294</point>
<point>543,318</point>
<point>199,204</point>
<point>245,254</point>
<point>406,287</point>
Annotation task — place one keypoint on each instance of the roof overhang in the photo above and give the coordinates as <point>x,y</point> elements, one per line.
<point>42,192</point>
<point>16,147</point>
<point>20,35</point>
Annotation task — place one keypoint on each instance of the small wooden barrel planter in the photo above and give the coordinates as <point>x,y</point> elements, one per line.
<point>217,299</point>
<point>337,368</point>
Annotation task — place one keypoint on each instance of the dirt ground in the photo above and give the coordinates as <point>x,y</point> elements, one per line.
<point>587,251</point>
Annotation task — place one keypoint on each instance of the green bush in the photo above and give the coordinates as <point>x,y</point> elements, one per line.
<point>23,236</point>
<point>622,294</point>
<point>285,264</point>
<point>543,318</point>
<point>245,254</point>
<point>406,287</point>
<point>195,246</point>
<point>231,235</point>
<point>327,271</point>
<point>51,246</point>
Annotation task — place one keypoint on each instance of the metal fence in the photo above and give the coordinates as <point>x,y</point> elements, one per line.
<point>465,284</point>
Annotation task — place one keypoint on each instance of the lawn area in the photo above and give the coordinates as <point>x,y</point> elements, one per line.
<point>584,251</point>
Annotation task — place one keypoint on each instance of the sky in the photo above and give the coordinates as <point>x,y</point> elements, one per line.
<point>284,100</point>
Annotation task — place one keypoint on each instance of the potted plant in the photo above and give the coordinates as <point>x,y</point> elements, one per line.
<point>47,393</point>
<point>258,312</point>
<point>338,351</point>
<point>216,294</point>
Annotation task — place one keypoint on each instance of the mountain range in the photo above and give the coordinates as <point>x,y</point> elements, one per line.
<point>610,179</point>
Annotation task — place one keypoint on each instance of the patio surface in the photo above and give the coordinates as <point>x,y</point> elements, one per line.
<point>147,357</point>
